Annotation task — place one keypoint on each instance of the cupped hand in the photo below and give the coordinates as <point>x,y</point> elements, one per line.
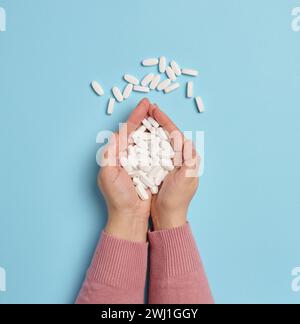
<point>170,207</point>
<point>128,215</point>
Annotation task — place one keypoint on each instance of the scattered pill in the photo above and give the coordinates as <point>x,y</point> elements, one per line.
<point>117,93</point>
<point>162,64</point>
<point>111,105</point>
<point>189,72</point>
<point>172,87</point>
<point>189,89</point>
<point>147,80</point>
<point>150,62</point>
<point>176,68</point>
<point>155,82</point>
<point>164,84</point>
<point>97,88</point>
<point>127,91</point>
<point>150,82</point>
<point>131,79</point>
<point>170,73</point>
<point>141,89</point>
<point>200,105</point>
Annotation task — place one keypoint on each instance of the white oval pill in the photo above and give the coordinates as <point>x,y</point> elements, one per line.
<point>150,62</point>
<point>127,91</point>
<point>147,79</point>
<point>189,89</point>
<point>137,182</point>
<point>131,79</point>
<point>142,192</point>
<point>165,145</point>
<point>200,105</point>
<point>141,89</point>
<point>125,164</point>
<point>159,177</point>
<point>141,129</point>
<point>153,122</point>
<point>152,174</point>
<point>146,181</point>
<point>145,167</point>
<point>167,164</point>
<point>162,64</point>
<point>162,134</point>
<point>118,94</point>
<point>155,82</point>
<point>147,124</point>
<point>163,85</point>
<point>170,73</point>
<point>190,72</point>
<point>172,87</point>
<point>141,143</point>
<point>165,175</point>
<point>176,68</point>
<point>138,132</point>
<point>97,88</point>
<point>133,161</point>
<point>167,154</point>
<point>111,105</point>
<point>154,190</point>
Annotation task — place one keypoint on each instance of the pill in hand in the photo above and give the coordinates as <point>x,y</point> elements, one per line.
<point>149,158</point>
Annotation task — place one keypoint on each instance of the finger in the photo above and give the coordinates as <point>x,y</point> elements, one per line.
<point>138,115</point>
<point>110,152</point>
<point>119,142</point>
<point>189,152</point>
<point>165,122</point>
<point>162,119</point>
<point>176,136</point>
<point>191,160</point>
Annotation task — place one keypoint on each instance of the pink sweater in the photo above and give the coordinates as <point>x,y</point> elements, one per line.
<point>117,274</point>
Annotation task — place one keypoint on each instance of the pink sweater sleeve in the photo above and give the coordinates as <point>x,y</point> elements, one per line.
<point>177,275</point>
<point>117,274</point>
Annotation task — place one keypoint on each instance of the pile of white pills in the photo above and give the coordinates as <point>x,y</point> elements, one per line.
<point>153,81</point>
<point>149,157</point>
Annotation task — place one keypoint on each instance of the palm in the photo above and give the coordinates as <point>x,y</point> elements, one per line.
<point>120,191</point>
<point>176,188</point>
<point>170,183</point>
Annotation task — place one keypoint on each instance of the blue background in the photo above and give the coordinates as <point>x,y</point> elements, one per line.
<point>246,214</point>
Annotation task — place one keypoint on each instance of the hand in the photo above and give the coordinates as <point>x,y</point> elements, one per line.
<point>128,215</point>
<point>169,208</point>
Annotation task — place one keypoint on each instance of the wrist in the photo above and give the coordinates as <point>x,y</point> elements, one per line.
<point>168,220</point>
<point>131,227</point>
